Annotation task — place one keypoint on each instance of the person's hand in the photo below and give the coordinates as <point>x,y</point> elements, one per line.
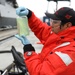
<point>22,11</point>
<point>23,39</point>
<point>27,46</point>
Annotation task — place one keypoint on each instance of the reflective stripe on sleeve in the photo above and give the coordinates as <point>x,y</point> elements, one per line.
<point>65,58</point>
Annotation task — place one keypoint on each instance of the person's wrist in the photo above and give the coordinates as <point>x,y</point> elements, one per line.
<point>29,13</point>
<point>28,47</point>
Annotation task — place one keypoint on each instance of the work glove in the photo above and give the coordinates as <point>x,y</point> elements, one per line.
<point>22,11</point>
<point>26,43</point>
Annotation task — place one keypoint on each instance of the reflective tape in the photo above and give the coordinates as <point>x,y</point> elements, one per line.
<point>62,45</point>
<point>65,58</point>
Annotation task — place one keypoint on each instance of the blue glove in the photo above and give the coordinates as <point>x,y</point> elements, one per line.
<point>23,39</point>
<point>27,46</point>
<point>22,11</point>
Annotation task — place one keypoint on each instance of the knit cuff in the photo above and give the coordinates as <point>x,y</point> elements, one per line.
<point>28,47</point>
<point>29,14</point>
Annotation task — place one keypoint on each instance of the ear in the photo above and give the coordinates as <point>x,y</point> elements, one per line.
<point>69,24</point>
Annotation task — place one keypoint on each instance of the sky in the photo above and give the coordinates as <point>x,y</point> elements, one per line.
<point>39,7</point>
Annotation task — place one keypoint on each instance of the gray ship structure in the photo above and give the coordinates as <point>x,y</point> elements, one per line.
<point>7,14</point>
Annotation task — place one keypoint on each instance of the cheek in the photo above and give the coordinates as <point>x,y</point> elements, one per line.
<point>56,29</point>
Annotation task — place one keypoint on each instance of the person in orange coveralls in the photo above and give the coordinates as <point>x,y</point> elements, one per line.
<point>58,53</point>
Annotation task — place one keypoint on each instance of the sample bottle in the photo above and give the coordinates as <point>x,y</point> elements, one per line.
<point>22,26</point>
